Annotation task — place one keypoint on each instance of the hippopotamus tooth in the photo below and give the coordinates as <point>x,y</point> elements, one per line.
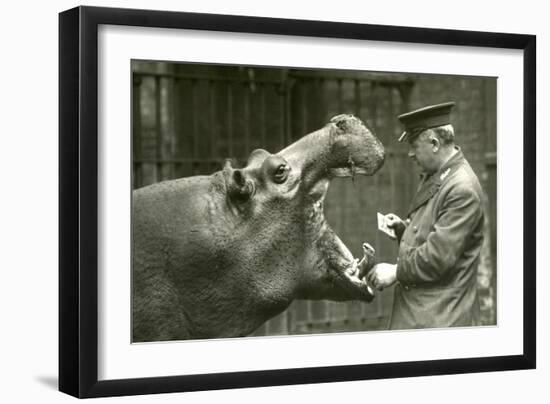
<point>218,255</point>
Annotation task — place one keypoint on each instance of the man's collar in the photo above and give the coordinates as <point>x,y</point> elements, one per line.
<point>453,161</point>
<point>447,166</point>
<point>431,185</point>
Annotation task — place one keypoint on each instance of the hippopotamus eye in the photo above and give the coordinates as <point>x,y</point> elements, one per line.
<point>276,169</point>
<point>281,173</point>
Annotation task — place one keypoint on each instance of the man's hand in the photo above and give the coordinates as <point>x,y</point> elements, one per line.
<point>382,275</point>
<point>394,222</point>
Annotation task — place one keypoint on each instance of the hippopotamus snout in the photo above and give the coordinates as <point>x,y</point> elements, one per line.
<point>343,148</point>
<point>355,149</point>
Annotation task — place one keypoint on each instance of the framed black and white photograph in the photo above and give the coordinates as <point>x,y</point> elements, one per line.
<point>251,202</point>
<point>264,267</point>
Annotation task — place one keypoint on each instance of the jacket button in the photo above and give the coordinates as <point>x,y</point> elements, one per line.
<point>415,228</point>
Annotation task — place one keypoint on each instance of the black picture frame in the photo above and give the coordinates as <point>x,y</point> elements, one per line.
<point>78,200</point>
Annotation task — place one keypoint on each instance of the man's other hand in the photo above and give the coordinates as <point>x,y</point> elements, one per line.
<point>382,275</point>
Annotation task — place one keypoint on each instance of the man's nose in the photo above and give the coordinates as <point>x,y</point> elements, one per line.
<point>410,153</point>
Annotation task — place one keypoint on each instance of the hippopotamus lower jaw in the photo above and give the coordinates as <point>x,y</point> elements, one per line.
<point>338,273</point>
<point>345,270</point>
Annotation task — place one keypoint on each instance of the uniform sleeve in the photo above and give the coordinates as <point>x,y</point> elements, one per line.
<point>458,218</point>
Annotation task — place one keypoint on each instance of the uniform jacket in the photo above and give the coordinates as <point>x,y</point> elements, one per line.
<point>439,251</point>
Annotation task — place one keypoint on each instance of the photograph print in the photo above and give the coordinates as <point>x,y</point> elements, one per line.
<point>282,201</point>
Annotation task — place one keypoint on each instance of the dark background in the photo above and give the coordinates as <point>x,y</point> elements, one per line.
<point>188,118</point>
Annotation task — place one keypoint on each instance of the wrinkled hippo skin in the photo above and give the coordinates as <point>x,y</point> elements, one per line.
<point>217,256</point>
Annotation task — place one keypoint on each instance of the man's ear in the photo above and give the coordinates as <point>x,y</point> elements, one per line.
<point>436,143</point>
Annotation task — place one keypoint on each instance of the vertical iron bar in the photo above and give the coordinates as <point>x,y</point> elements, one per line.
<point>136,130</point>
<point>212,125</point>
<point>194,126</point>
<point>263,130</point>
<point>158,131</point>
<point>322,105</point>
<point>230,119</point>
<point>171,110</point>
<point>303,99</point>
<point>340,96</point>
<point>177,126</point>
<point>393,198</point>
<point>286,132</point>
<point>357,98</point>
<point>405,90</point>
<point>246,118</point>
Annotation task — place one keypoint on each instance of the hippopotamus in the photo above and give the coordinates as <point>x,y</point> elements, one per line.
<point>216,256</point>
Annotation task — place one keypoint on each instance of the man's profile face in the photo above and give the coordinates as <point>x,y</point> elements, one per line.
<point>422,152</point>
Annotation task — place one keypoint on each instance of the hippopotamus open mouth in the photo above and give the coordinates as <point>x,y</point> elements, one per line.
<point>297,178</point>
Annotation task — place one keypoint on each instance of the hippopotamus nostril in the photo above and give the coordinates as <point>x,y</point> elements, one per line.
<point>239,187</point>
<point>344,121</point>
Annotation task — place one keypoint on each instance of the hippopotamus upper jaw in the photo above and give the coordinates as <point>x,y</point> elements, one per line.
<point>343,148</point>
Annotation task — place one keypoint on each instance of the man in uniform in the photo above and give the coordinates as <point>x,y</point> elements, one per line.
<point>440,241</point>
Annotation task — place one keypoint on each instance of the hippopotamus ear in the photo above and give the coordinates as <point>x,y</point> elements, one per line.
<point>257,157</point>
